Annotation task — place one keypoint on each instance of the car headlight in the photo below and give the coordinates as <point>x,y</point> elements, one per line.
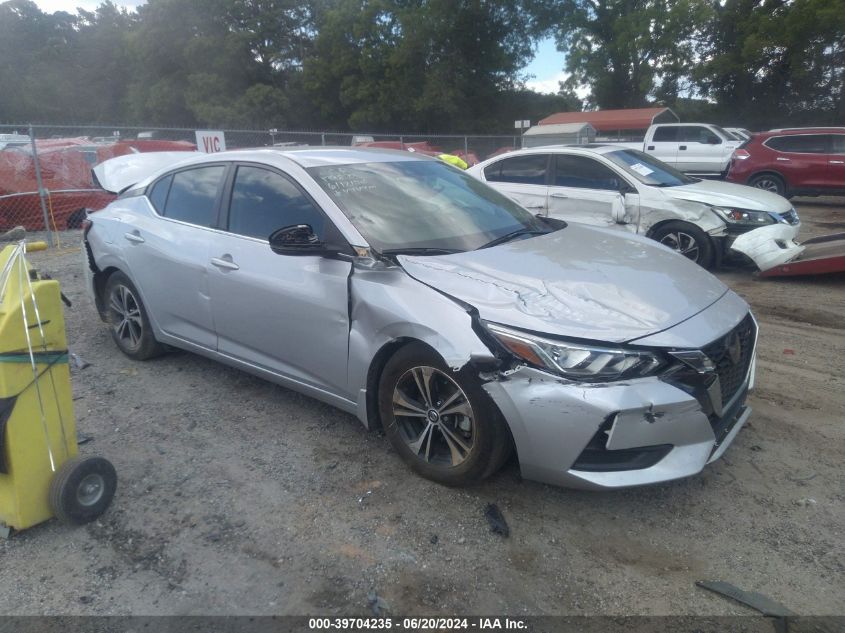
<point>744,216</point>
<point>577,361</point>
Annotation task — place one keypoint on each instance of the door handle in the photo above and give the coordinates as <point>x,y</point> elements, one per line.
<point>781,158</point>
<point>134,237</point>
<point>561,196</point>
<point>224,263</point>
<point>682,147</point>
<point>534,206</point>
<point>651,147</point>
<point>837,162</point>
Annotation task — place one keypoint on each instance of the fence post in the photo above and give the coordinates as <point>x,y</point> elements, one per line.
<point>466,147</point>
<point>323,136</point>
<point>402,142</point>
<point>41,193</point>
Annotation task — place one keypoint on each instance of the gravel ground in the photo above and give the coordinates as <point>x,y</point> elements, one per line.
<point>240,497</point>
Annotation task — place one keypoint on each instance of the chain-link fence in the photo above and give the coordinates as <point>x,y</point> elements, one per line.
<point>46,182</point>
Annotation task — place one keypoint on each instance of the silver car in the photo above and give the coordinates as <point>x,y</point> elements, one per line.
<point>406,292</point>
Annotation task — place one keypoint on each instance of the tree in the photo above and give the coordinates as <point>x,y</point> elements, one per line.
<point>770,61</point>
<point>625,50</point>
<point>416,64</point>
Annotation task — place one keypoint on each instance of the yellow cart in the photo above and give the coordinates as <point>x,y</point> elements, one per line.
<point>41,474</point>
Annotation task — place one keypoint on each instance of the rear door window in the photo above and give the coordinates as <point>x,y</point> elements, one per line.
<point>838,144</point>
<point>193,195</point>
<point>662,134</point>
<point>158,194</point>
<point>583,173</point>
<point>528,170</point>
<point>800,143</point>
<point>264,201</point>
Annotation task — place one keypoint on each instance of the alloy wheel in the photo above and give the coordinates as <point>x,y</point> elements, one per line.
<point>768,184</point>
<point>683,243</point>
<point>127,322</point>
<point>434,416</point>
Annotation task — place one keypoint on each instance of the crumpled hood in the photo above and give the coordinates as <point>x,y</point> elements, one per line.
<point>579,282</point>
<point>728,194</point>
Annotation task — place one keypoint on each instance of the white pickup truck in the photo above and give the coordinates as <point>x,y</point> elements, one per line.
<point>693,148</point>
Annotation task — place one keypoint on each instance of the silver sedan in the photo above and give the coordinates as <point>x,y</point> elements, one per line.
<point>402,290</point>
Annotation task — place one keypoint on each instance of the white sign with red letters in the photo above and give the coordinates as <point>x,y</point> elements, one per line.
<point>210,141</point>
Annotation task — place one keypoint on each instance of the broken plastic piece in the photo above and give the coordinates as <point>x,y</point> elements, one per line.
<point>757,601</point>
<point>777,255</point>
<point>377,604</point>
<point>78,362</point>
<point>497,522</point>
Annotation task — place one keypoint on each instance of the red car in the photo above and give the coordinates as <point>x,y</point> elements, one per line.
<point>66,174</point>
<point>792,162</point>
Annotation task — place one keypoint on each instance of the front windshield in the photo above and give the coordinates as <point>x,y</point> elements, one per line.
<point>647,169</point>
<point>422,205</point>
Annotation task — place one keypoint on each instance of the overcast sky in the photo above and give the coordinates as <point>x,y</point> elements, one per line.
<point>547,66</point>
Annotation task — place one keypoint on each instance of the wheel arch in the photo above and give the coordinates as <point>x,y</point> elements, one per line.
<point>769,172</point>
<point>374,372</point>
<point>659,225</point>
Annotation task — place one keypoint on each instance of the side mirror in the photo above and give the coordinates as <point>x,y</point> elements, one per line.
<point>296,239</point>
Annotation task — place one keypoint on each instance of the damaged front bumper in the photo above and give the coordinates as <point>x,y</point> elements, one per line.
<point>629,433</point>
<point>611,435</point>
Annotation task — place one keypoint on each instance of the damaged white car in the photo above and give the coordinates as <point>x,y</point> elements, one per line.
<point>616,187</point>
<point>417,298</point>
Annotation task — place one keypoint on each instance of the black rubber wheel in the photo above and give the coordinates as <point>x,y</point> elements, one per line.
<point>441,422</point>
<point>688,240</point>
<point>127,318</point>
<point>769,182</point>
<point>82,489</point>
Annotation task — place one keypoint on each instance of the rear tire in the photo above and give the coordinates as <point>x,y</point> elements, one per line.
<point>769,182</point>
<point>688,240</point>
<point>441,422</point>
<point>127,318</point>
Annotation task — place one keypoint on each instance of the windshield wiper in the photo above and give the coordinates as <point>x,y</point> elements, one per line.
<point>420,250</point>
<point>507,237</point>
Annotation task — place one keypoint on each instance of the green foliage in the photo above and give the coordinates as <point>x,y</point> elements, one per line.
<point>418,65</point>
<point>775,61</point>
<point>625,50</point>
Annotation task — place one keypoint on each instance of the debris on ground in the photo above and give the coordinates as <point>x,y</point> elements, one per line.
<point>757,601</point>
<point>78,361</point>
<point>377,604</point>
<point>497,522</point>
<point>434,538</point>
<point>805,502</point>
<point>83,439</point>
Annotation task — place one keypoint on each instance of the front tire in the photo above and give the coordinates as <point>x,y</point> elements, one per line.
<point>440,421</point>
<point>687,240</point>
<point>127,318</point>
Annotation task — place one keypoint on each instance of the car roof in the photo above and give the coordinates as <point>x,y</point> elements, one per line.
<point>588,148</point>
<point>308,156</point>
<point>804,130</point>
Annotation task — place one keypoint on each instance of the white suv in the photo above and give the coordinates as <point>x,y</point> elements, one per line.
<point>618,187</point>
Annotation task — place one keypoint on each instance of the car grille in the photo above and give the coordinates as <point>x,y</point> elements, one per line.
<point>731,355</point>
<point>790,217</point>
